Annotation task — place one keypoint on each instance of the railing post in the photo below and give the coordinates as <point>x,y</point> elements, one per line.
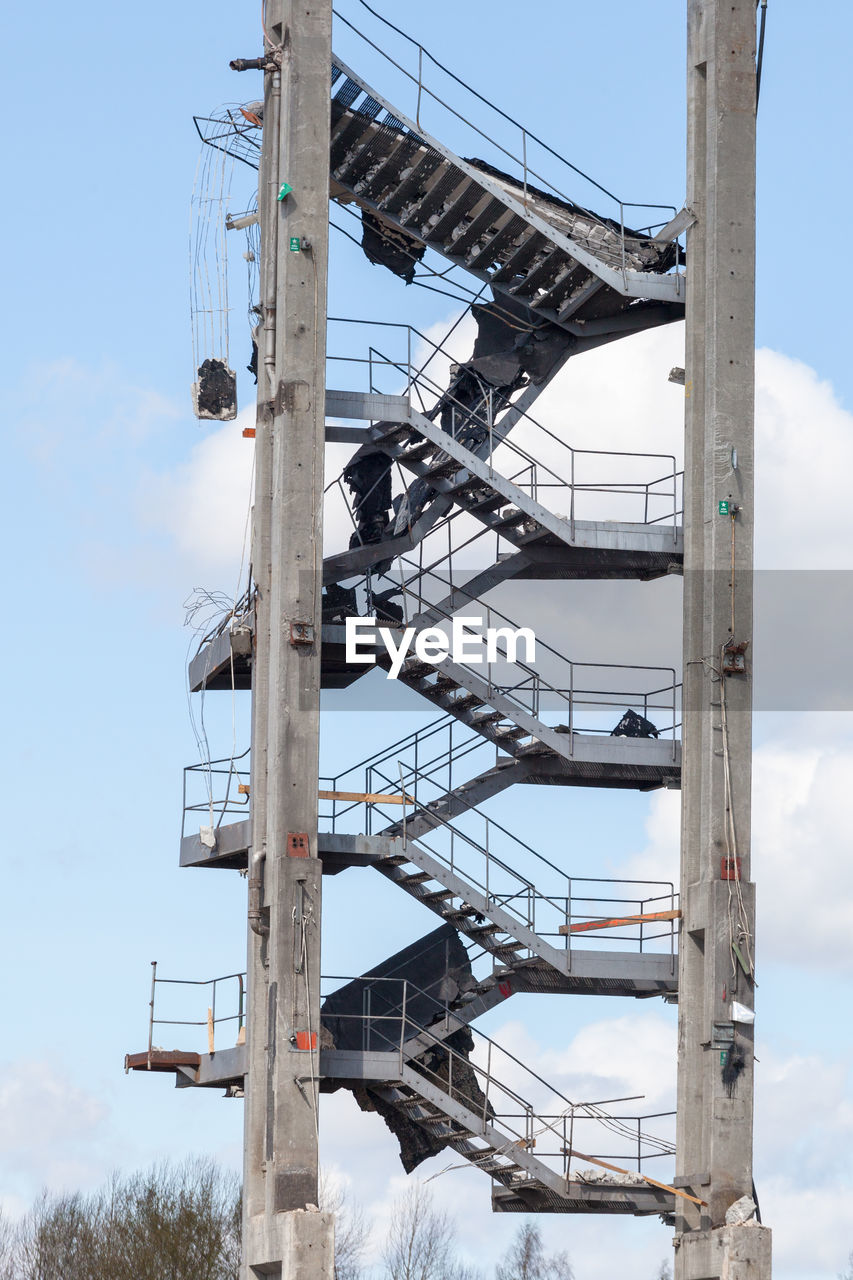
<point>569,924</point>
<point>420,85</point>
<point>365,1026</point>
<point>524,158</point>
<point>403,1021</point>
<point>213,1016</point>
<point>491,427</point>
<point>488,1083</point>
<point>151,1011</point>
<point>622,237</point>
<point>403,794</point>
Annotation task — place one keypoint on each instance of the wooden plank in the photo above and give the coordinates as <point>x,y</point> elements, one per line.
<point>366,797</point>
<point>619,920</point>
<point>614,1168</point>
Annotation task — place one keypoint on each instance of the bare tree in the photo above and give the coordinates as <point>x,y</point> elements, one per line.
<point>351,1230</point>
<point>848,1274</point>
<point>421,1241</point>
<point>181,1222</point>
<point>7,1247</point>
<point>665,1270</point>
<point>526,1258</point>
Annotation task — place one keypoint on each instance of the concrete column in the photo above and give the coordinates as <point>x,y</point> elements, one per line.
<point>284,1234</point>
<point>715,1066</point>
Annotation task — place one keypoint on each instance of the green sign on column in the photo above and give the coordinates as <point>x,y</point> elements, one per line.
<point>724,507</point>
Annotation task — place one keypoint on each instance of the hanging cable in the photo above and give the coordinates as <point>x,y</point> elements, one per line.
<point>760,59</point>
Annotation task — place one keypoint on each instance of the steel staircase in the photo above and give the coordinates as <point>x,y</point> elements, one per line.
<point>455,471</point>
<point>488,1123</point>
<point>560,269</point>
<point>562,262</point>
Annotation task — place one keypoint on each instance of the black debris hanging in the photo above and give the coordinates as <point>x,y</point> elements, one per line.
<point>215,393</point>
<point>733,1066</point>
<point>437,973</point>
<point>339,603</point>
<point>633,725</point>
<point>368,477</point>
<point>387,247</point>
<point>510,351</point>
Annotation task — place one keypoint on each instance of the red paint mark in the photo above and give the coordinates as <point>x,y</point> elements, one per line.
<point>505,990</point>
<point>306,1040</point>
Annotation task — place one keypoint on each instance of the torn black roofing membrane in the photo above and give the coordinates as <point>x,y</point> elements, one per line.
<point>215,393</point>
<point>436,972</point>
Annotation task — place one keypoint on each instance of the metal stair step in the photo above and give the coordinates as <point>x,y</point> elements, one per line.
<point>507,947</point>
<point>348,135</point>
<point>483,930</point>
<point>417,877</point>
<point>513,517</point>
<point>468,236</point>
<point>516,264</point>
<point>481,500</point>
<point>441,895</point>
<point>468,702</point>
<point>511,732</point>
<point>424,167</point>
<point>545,270</point>
<point>443,469</point>
<point>491,717</point>
<point>387,176</point>
<point>469,196</point>
<point>458,914</point>
<point>414,669</point>
<point>431,196</point>
<point>365,167</point>
<point>417,452</point>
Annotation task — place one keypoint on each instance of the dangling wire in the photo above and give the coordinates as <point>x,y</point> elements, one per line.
<point>208,259</point>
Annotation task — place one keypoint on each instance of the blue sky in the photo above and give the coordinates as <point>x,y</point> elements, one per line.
<point>113,496</point>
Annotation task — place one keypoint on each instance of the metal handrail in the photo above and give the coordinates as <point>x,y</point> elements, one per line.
<point>526,135</point>
<point>228,768</point>
<point>418,380</point>
<point>526,1123</point>
<point>567,905</point>
<point>534,683</point>
<point>211,1021</point>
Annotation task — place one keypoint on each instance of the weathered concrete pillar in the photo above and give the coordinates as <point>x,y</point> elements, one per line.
<point>284,1233</point>
<point>717,951</point>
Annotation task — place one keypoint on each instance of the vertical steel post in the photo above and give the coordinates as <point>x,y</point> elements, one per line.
<point>715,1065</point>
<point>283,998</point>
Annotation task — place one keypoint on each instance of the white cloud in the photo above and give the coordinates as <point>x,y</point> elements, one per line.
<point>203,504</point>
<point>51,1130</point>
<point>800,845</point>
